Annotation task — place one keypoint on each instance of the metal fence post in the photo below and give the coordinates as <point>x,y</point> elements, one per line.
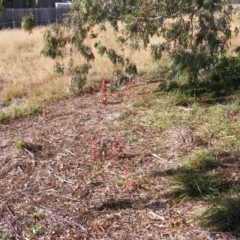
<point>13,22</point>
<point>36,16</point>
<point>56,15</point>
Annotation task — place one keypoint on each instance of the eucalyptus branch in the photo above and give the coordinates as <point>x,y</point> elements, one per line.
<point>197,39</point>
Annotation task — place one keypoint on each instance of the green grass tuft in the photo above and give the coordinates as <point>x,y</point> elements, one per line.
<point>20,144</point>
<point>35,231</point>
<point>224,215</point>
<point>195,185</point>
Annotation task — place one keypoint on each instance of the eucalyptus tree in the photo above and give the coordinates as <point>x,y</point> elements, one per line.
<point>3,4</point>
<point>192,34</point>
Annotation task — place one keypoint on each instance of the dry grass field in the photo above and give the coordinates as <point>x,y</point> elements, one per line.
<point>27,78</point>
<point>24,74</point>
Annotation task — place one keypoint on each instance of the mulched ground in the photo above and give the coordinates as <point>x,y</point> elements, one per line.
<point>92,171</point>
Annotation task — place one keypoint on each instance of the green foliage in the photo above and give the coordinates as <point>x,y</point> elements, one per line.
<point>168,86</point>
<point>226,72</point>
<point>4,237</point>
<point>193,35</point>
<point>3,4</point>
<point>59,68</point>
<point>197,178</point>
<point>20,144</point>
<point>222,81</point>
<point>22,111</point>
<point>40,214</point>
<point>28,22</point>
<point>224,214</point>
<point>79,78</point>
<point>36,231</point>
<point>55,42</point>
<point>195,185</point>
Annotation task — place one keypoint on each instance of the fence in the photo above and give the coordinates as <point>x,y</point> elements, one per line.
<point>12,18</point>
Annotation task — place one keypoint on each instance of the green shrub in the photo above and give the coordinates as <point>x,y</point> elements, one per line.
<point>28,22</point>
<point>226,72</point>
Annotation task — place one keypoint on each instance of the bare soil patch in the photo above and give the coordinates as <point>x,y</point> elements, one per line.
<point>93,171</point>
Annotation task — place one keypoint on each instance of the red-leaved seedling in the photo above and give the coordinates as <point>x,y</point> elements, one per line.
<point>116,144</point>
<point>126,174</point>
<point>104,91</point>
<point>131,185</point>
<point>94,147</point>
<point>106,144</point>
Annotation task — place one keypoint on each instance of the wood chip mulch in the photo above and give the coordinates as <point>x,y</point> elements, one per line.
<point>90,172</point>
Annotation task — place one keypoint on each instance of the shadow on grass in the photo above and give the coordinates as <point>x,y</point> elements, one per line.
<point>212,177</point>
<point>224,215</point>
<point>222,81</point>
<point>207,92</point>
<point>206,175</point>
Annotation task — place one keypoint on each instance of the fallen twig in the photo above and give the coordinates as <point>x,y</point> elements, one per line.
<point>30,153</point>
<point>156,156</point>
<point>64,180</point>
<point>13,229</point>
<point>11,211</point>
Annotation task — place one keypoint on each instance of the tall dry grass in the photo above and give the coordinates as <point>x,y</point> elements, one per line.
<point>25,75</point>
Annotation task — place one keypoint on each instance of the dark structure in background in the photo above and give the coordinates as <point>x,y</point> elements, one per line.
<point>44,12</point>
<point>31,3</point>
<point>51,3</point>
